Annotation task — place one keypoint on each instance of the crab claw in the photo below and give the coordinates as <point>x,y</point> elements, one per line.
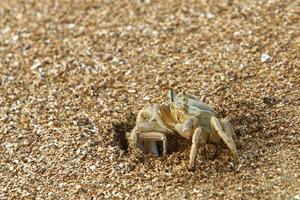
<point>150,139</point>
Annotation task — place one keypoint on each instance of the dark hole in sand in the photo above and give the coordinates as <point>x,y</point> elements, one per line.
<point>120,130</point>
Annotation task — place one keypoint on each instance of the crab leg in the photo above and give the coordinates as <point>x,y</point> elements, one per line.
<point>226,137</point>
<point>195,141</point>
<point>228,128</point>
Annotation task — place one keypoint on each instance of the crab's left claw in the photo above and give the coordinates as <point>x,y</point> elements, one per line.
<point>150,139</point>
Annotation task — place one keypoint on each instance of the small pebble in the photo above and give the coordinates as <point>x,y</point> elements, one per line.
<point>128,72</point>
<point>36,65</point>
<point>71,26</point>
<point>146,98</point>
<point>77,187</point>
<point>131,91</point>
<point>93,167</point>
<point>270,100</point>
<point>209,15</point>
<point>265,58</point>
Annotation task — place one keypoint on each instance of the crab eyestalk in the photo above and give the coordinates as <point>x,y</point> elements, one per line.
<point>172,94</point>
<point>185,102</point>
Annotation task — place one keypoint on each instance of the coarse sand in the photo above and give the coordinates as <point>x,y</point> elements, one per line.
<point>72,72</point>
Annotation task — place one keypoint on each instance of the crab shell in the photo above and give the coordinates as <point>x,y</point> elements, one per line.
<point>186,116</point>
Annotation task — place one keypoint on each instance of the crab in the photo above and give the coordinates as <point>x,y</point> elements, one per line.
<point>184,115</point>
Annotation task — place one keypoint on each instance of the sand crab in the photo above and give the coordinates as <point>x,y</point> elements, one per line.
<point>184,115</point>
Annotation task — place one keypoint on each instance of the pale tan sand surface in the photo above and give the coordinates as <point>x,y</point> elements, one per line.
<point>69,70</point>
